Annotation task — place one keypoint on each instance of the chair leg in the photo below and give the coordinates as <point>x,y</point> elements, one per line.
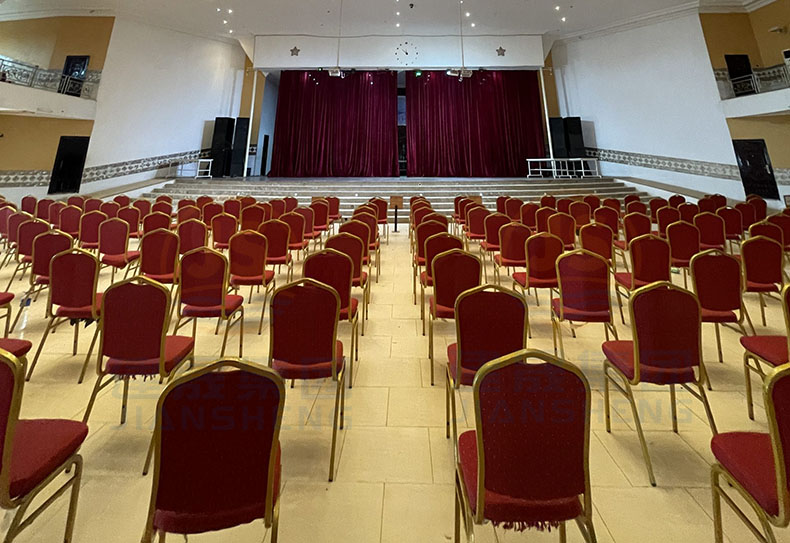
<point>642,442</point>
<point>563,533</point>
<point>430,343</point>
<point>40,348</point>
<point>749,320</point>
<point>708,411</point>
<point>718,532</point>
<point>76,339</point>
<point>96,389</point>
<point>414,269</point>
<point>747,375</point>
<point>422,306</point>
<point>241,332</point>
<point>762,308</point>
<point>225,337</point>
<point>447,405</point>
<point>125,400</point>
<point>148,456</point>
<point>338,391</point>
<point>674,405</point>
<point>74,498</point>
<point>606,407</point>
<point>718,342</point>
<point>620,304</point>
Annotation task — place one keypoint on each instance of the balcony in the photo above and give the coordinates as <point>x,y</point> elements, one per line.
<point>762,80</point>
<point>20,73</point>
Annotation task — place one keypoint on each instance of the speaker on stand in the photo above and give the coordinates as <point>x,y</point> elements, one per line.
<point>222,146</point>
<point>240,148</point>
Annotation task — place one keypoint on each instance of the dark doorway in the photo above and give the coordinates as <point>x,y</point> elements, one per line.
<point>75,69</point>
<point>69,163</point>
<point>264,154</point>
<point>739,68</point>
<point>757,173</point>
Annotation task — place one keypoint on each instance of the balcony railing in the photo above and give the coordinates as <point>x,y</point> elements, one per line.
<point>19,73</point>
<point>762,80</point>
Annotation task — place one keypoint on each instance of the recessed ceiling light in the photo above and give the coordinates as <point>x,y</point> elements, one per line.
<point>230,11</point>
<point>557,8</point>
<point>397,13</point>
<point>468,14</point>
<point>224,22</point>
<point>218,10</point>
<point>563,19</point>
<point>473,25</point>
<point>397,25</point>
<point>230,31</point>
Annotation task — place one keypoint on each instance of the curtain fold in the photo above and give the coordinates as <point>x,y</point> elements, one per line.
<point>484,126</point>
<point>336,127</point>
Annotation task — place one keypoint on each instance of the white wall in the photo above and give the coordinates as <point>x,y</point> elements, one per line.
<point>648,90</point>
<point>160,92</point>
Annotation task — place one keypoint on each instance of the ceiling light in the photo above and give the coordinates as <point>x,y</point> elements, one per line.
<point>397,25</point>
<point>230,11</point>
<point>224,22</point>
<point>397,13</point>
<point>473,25</point>
<point>230,31</point>
<point>563,19</point>
<point>218,10</point>
<point>468,14</point>
<point>557,8</point>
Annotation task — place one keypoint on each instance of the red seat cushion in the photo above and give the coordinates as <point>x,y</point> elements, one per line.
<point>624,279</point>
<point>441,311</point>
<point>751,286</point>
<point>510,262</point>
<point>119,261</point>
<point>278,260</point>
<point>709,246</point>
<point>177,348</point>
<point>681,262</point>
<point>344,312</point>
<point>503,508</point>
<point>40,447</point>
<point>232,303</point>
<point>621,355</point>
<point>79,312</point>
<point>298,245</point>
<point>360,281</point>
<point>17,347</point>
<point>425,280</point>
<point>772,349</point>
<point>578,315</point>
<point>713,315</point>
<point>749,458</point>
<point>221,245</point>
<point>6,297</point>
<point>241,280</point>
<point>489,246</point>
<point>473,236</point>
<point>166,278</point>
<point>419,260</point>
<point>89,244</point>
<point>467,375</point>
<point>320,370</point>
<point>535,282</point>
<point>620,244</point>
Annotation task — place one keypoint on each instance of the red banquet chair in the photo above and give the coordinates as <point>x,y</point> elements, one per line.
<point>5,213</point>
<point>683,240</point>
<point>631,198</point>
<point>42,208</point>
<point>336,269</point>
<point>131,215</point>
<point>185,202</point>
<point>114,246</point>
<point>494,480</point>
<point>321,221</point>
<point>417,215</point>
<point>92,204</point>
<point>634,225</point>
<point>334,208</point>
<point>54,214</point>
<point>675,200</point>
<point>374,244</point>
<point>424,231</point>
<point>186,213</point>
<point>656,204</point>
<point>434,245</point>
<point>28,204</point>
<point>711,231</point>
<point>763,264</point>
<point>760,207</point>
<point>277,235</point>
<point>73,276</point>
<point>223,226</point>
<point>76,200</point>
<point>192,234</point>
<point>143,206</point>
<point>202,293</point>
<point>564,205</point>
<point>437,217</point>
<point>211,210</point>
<point>454,272</point>
<point>475,229</point>
<point>770,351</point>
<point>513,208</point>
<point>651,262</point>
<point>490,244</point>
<point>310,233</point>
<point>707,205</point>
<point>664,217</point>
<point>688,211</point>
<point>89,229</point>
<point>563,226</point>
<point>490,322</point>
<point>583,285</point>
<point>610,217</point>
<point>599,239</point>
<point>164,198</point>
<point>542,251</point>
<point>159,251</point>
<point>718,285</point>
<point>719,200</point>
<point>232,207</point>
<point>733,225</point>
<point>637,207</point>
<point>35,452</point>
<point>547,200</point>
<point>381,215</point>
<point>353,247</point>
<point>278,207</point>
<point>512,238</point>
<point>782,221</point>
<point>748,213</point>
<point>666,350</point>
<point>12,245</point>
<point>249,478</point>
<point>528,215</point>
<point>309,309</point>
<point>756,465</point>
<point>203,201</point>
<point>163,207</point>
<point>769,230</point>
<point>593,201</point>
<point>248,250</point>
<point>122,200</point>
<point>154,221</point>
<point>110,209</point>
<point>70,220</point>
<point>251,217</point>
<point>581,213</point>
<point>27,232</point>
<point>614,204</point>
<point>296,241</point>
<point>501,204</point>
<point>291,203</point>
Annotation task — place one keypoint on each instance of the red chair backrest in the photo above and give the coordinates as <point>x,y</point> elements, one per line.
<point>27,233</point>
<point>122,200</point>
<point>251,217</point>
<point>296,222</point>
<point>666,216</point>
<point>631,198</point>
<point>711,229</point>
<point>583,278</point>
<point>278,208</point>
<point>163,207</point>
<point>597,238</point>
<point>14,221</point>
<point>211,210</point>
<point>191,235</point>
<point>373,229</point>
<point>309,218</point>
<point>232,207</point>
<point>733,221</point>
<point>610,217</point>
<point>277,235</point>
<point>476,218</point>
<point>542,251</point>
<point>437,217</point>
<point>513,208</point>
<point>563,226</point>
<point>381,208</point>
<point>650,258</point>
<point>155,221</point>
<point>581,213</point>
<point>464,206</point>
<point>542,218</point>
<point>490,322</point>
<point>89,226</point>
<point>501,204</point>
<point>437,244</point>
<point>456,202</point>
<point>719,200</point>
<point>683,240</point>
<point>334,206</point>
<point>492,224</point>
<point>268,212</point>
<point>613,203</point>
<point>144,206</point>
<point>749,214</point>
<point>760,207</point>
<point>113,237</point>
<point>45,246</point>
<point>512,238</point>
<point>636,206</point>
<point>131,215</point>
<point>593,201</point>
<point>247,252</point>
<point>72,279</point>
<point>417,216</point>
<point>768,230</point>
<point>5,213</point>
<point>42,208</point>
<point>635,225</point>
<point>28,204</point>
<point>655,205</point>
<point>358,229</point>
<point>164,198</point>
<point>706,205</point>
<point>528,215</point>
<point>688,211</point>
<point>54,213</point>
<point>334,268</point>
<point>426,230</point>
<point>204,278</point>
<point>202,201</point>
<point>564,205</point>
<point>223,226</point>
<point>186,202</point>
<point>675,200</point>
<point>717,281</point>
<point>548,200</point>
<point>454,272</point>
<point>304,309</point>
<point>351,246</point>
<point>187,213</point>
<point>783,222</point>
<point>159,252</point>
<point>110,209</point>
<point>92,204</point>
<point>291,203</point>
<point>134,319</point>
<point>763,261</point>
<point>321,213</point>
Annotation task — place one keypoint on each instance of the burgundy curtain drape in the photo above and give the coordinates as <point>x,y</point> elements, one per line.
<point>336,127</point>
<point>484,126</point>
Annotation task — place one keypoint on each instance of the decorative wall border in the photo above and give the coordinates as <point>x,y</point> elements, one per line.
<point>39,178</point>
<point>680,165</point>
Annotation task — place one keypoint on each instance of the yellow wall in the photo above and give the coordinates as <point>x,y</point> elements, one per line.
<point>552,102</point>
<point>30,143</point>
<point>46,42</point>
<point>772,43</point>
<point>775,130</point>
<point>246,96</point>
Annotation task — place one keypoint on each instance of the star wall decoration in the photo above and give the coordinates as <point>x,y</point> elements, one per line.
<point>295,52</point>
<point>501,51</point>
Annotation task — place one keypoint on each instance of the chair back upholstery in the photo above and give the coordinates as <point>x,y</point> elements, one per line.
<point>417,215</point>
<point>583,278</point>
<point>291,203</point>
<point>162,206</point>
<point>191,235</point>
<point>776,395</point>
<point>54,213</point>
<point>164,198</point>
<point>438,244</point>
<point>491,322</point>
<point>143,205</point>
<point>350,245</point>
<point>334,268</point>
<point>309,218</point>
<point>610,217</point>
<point>27,233</point>
<point>706,205</point>
<point>28,204</point>
<point>251,217</point>
<point>42,208</point>
<point>360,230</point>
<point>278,208</point>
<point>110,209</point>
<point>159,250</point>
<point>454,272</point>
<point>542,251</point>
<point>92,204</point>
<point>381,208</point>
<point>373,229</point>
<point>782,221</point>
<point>122,200</point>
<point>637,207</point>
<point>711,229</point>
<point>581,213</point>
<point>155,221</point>
<point>501,202</point>
<point>509,443</point>
<point>321,213</point>
<point>547,200</point>
<point>232,207</point>
<point>563,226</point>
<point>187,213</point>
<point>651,259</point>
<point>45,246</point>
<point>593,201</point>
<point>719,200</point>
<point>204,278</point>
<point>512,238</point>
<point>768,230</point>
<point>426,230</point>
<point>655,205</point>
<point>599,239</point>
<point>763,261</point>
<point>667,329</point>
<point>223,226</point>
<point>564,205</point>
<point>635,225</point>
<point>203,201</point>
<point>513,208</point>
<point>476,220</point>
<point>688,211</point>
<point>277,235</point>
<point>631,198</point>
<point>683,240</point>
<point>748,213</point>
<point>211,210</point>
<point>12,379</point>
<point>185,202</point>
<point>492,224</point>
<point>131,215</point>
<point>666,216</point>
<point>247,252</point>
<point>717,281</point>
<point>113,237</point>
<point>69,219</point>
<point>304,309</point>
<point>466,205</point>
<point>296,222</point>
<point>613,203</point>
<point>5,213</point>
<point>437,217</point>
<point>14,221</point>
<point>334,207</point>
<point>733,222</point>
<point>528,215</point>
<point>675,200</point>
<point>73,276</point>
<point>760,207</point>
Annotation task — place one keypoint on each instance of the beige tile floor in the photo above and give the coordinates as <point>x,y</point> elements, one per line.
<point>395,468</point>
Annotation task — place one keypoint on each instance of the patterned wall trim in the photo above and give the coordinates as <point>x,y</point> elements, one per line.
<point>680,165</point>
<point>38,178</point>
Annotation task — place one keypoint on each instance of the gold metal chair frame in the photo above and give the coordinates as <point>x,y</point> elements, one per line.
<point>22,266</point>
<point>762,295</point>
<point>497,267</point>
<point>423,286</point>
<point>557,320</point>
<point>130,266</point>
<point>486,255</point>
<point>272,514</point>
<point>364,286</point>
<point>628,293</point>
<point>462,504</point>
<point>525,291</point>
<point>431,313</point>
<point>625,386</point>
<point>72,466</point>
<point>377,250</point>
<point>450,384</point>
<point>415,267</point>
<point>386,225</point>
<point>289,265</point>
<point>337,376</point>
<point>267,289</point>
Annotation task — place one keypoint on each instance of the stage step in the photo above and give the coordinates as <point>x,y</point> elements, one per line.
<point>355,191</point>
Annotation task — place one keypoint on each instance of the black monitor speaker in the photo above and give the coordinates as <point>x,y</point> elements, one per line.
<point>69,164</point>
<point>222,146</point>
<point>240,148</point>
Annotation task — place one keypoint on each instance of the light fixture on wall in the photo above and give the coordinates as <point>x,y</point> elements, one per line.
<point>778,29</point>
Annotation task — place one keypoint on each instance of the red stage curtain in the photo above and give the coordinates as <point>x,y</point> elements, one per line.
<point>336,127</point>
<point>484,126</point>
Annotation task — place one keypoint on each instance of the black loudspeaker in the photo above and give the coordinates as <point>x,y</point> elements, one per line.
<point>574,139</point>
<point>222,146</point>
<point>69,164</point>
<point>558,140</point>
<point>240,148</point>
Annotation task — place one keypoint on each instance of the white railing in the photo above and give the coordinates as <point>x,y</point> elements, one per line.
<point>563,167</point>
<point>762,80</point>
<point>19,73</point>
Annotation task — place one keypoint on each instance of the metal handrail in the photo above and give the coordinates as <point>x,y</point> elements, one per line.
<point>19,73</point>
<point>760,81</point>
